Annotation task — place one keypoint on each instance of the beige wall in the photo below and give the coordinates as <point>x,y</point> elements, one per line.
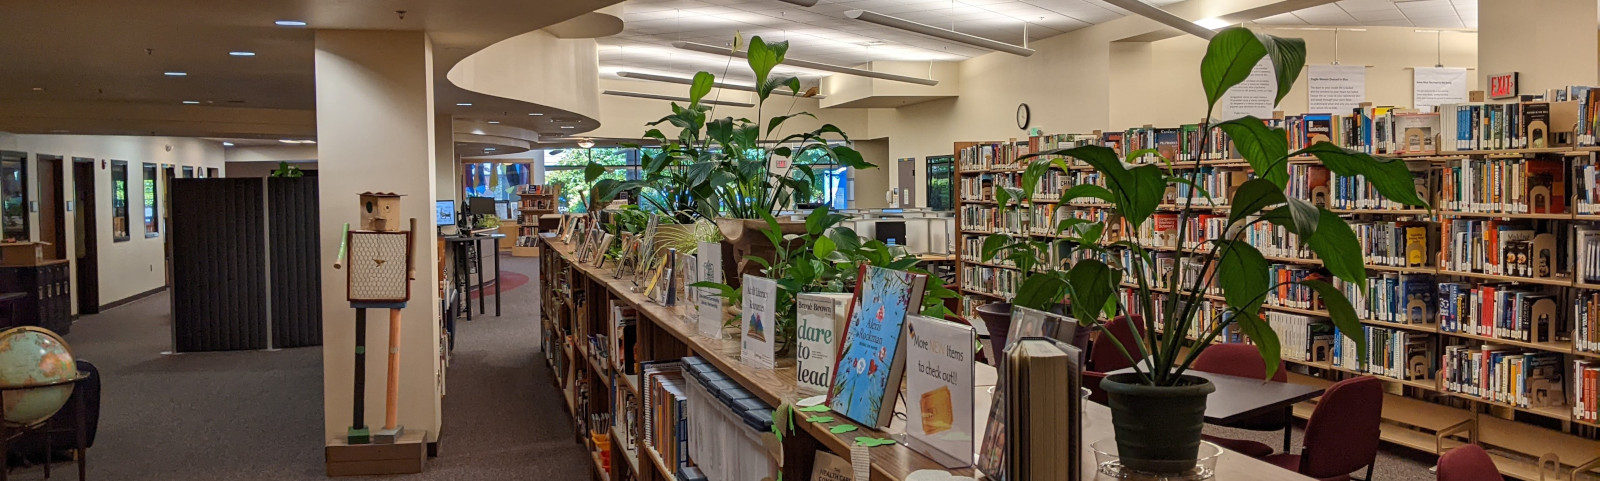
<point>270,153</point>
<point>264,169</point>
<point>375,125</point>
<point>1548,42</point>
<point>136,265</point>
<point>870,185</point>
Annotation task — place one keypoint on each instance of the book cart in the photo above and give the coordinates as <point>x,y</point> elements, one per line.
<point>533,201</point>
<point>1534,442</point>
<point>572,296</point>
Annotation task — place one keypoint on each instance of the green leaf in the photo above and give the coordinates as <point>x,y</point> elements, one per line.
<point>1343,316</point>
<point>1307,217</point>
<point>823,247</point>
<point>1288,57</point>
<point>849,157</point>
<point>1245,276</point>
<point>845,239</point>
<point>1265,339</point>
<point>762,57</point>
<point>1231,55</point>
<point>593,171</point>
<point>772,126</point>
<point>1390,176</point>
<point>700,87</point>
<point>1264,148</point>
<point>1251,197</point>
<point>816,221</point>
<point>1040,290</point>
<point>992,244</point>
<point>1065,224</point>
<point>1087,190</point>
<point>1031,176</point>
<point>1091,284</point>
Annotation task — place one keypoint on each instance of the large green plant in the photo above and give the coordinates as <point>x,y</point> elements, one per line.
<point>1090,285</point>
<point>725,167</point>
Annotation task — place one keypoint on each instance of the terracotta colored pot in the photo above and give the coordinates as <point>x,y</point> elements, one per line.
<point>742,238</point>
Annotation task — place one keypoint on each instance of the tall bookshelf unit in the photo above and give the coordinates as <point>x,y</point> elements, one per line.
<point>1528,441</point>
<point>533,202</point>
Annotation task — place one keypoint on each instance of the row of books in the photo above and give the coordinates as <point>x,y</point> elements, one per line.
<point>1509,375</point>
<point>1586,321</point>
<point>537,204</point>
<point>725,436</point>
<point>536,189</point>
<point>1495,126</point>
<point>1498,247</point>
<point>991,156</point>
<point>665,412</point>
<point>1504,185</point>
<point>1586,254</point>
<point>996,281</point>
<point>1301,337</point>
<point>1498,310</point>
<point>1176,144</point>
<point>1289,291</point>
<point>1397,244</point>
<point>1391,353</point>
<point>981,188</point>
<point>1585,184</point>
<point>989,218</point>
<point>1586,390</point>
<point>1393,297</point>
<point>1321,187</point>
<point>1046,218</point>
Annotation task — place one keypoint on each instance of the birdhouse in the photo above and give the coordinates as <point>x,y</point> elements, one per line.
<point>380,212</point>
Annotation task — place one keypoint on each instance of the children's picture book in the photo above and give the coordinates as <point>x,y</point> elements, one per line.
<point>939,356</point>
<point>669,279</point>
<point>758,322</point>
<point>828,467</point>
<point>820,319</point>
<point>872,355</point>
<point>708,322</point>
<point>604,246</point>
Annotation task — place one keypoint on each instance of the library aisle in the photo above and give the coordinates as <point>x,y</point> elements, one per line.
<point>257,414</point>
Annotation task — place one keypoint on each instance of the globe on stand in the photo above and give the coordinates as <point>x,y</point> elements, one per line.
<point>32,356</point>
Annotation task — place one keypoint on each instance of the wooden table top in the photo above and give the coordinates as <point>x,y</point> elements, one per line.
<point>889,463</point>
<point>1240,398</point>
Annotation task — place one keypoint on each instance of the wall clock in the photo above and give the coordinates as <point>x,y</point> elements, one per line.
<point>1024,116</point>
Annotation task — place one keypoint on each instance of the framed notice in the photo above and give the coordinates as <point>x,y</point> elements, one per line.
<point>1432,86</point>
<point>1335,89</point>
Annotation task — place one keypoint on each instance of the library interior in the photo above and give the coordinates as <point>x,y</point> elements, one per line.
<point>824,240</point>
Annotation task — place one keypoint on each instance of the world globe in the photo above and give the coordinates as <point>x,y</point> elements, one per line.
<point>31,356</point>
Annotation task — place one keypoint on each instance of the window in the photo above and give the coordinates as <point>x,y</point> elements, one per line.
<point>496,181</point>
<point>152,224</point>
<point>940,190</point>
<point>14,196</point>
<point>188,172</point>
<point>119,201</point>
<point>564,167</point>
<point>831,182</point>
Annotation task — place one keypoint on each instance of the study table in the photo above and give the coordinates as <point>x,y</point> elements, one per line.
<point>775,386</point>
<point>1240,398</point>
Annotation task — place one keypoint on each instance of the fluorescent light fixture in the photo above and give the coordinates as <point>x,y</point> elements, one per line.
<point>191,102</point>
<point>643,95</point>
<point>289,141</point>
<point>494,121</point>
<point>1425,31</point>
<point>289,23</point>
<point>1212,23</point>
<point>241,53</point>
<point>690,81</point>
<point>175,74</point>
<point>936,32</point>
<point>803,3</point>
<point>464,104</point>
<point>227,144</point>
<point>1145,10</point>
<point>536,114</point>
<point>791,62</point>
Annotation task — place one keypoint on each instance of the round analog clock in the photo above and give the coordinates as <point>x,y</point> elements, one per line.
<point>1024,116</point>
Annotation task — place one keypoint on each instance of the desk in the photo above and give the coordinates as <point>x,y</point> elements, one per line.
<point>461,247</point>
<point>1240,398</point>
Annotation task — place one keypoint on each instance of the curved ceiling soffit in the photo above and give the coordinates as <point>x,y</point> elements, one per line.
<point>476,138</point>
<point>557,77</point>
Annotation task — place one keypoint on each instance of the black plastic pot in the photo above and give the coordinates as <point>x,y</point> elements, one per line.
<point>996,317</point>
<point>1157,427</point>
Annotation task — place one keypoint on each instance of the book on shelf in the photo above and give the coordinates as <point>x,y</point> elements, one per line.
<point>666,423</point>
<point>623,335</point>
<point>1585,332</point>
<point>820,320</point>
<point>939,389</point>
<point>758,322</point>
<point>872,356</point>
<point>708,317</point>
<point>1586,384</point>
<point>726,424</point>
<point>828,467</point>
<point>1043,412</point>
<point>1507,375</point>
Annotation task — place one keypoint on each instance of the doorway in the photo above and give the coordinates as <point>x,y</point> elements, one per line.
<point>88,269</point>
<point>52,204</point>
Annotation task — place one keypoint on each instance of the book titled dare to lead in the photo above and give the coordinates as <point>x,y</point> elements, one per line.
<point>872,357</point>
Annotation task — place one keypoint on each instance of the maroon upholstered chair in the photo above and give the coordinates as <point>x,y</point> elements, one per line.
<point>1468,463</point>
<point>1104,356</point>
<point>1244,360</point>
<point>1342,434</point>
<point>1091,380</point>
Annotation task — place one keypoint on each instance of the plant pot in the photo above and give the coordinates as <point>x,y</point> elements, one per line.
<point>743,237</point>
<point>996,317</point>
<point>1157,427</point>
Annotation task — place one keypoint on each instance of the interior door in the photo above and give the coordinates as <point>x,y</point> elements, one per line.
<point>168,172</point>
<point>52,207</point>
<point>908,182</point>
<point>86,232</point>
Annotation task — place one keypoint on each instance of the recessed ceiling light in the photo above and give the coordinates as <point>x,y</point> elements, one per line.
<point>175,74</point>
<point>568,127</point>
<point>38,89</point>
<point>488,149</point>
<point>289,23</point>
<point>227,144</point>
<point>1212,23</point>
<point>464,104</point>
<point>494,121</point>
<point>191,102</point>
<point>241,53</point>
<point>536,114</point>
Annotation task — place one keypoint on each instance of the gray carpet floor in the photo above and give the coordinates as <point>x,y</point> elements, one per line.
<point>257,415</point>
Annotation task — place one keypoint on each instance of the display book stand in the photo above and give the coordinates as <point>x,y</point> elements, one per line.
<point>534,202</point>
<point>1529,443</point>
<point>575,301</point>
<point>379,261</point>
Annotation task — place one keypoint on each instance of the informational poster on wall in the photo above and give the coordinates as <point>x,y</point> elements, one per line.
<point>1335,89</point>
<point>1253,96</point>
<point>1433,86</point>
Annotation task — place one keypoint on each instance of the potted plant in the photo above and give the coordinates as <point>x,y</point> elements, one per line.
<point>1158,410</point>
<point>730,170</point>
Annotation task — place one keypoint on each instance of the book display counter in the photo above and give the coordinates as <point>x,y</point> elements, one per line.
<point>626,366</point>
<point>1479,314</point>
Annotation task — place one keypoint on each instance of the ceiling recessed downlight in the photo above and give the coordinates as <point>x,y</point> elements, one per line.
<point>175,74</point>
<point>464,104</point>
<point>242,53</point>
<point>227,144</point>
<point>569,127</point>
<point>289,23</point>
<point>536,114</point>
<point>494,121</point>
<point>191,102</point>
<point>488,149</point>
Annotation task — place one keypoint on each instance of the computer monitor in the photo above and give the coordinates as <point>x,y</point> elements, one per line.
<point>444,212</point>
<point>890,230</point>
<point>480,205</point>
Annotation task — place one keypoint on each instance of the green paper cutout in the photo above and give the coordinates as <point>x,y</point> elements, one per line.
<point>820,419</point>
<point>814,409</point>
<point>873,442</point>
<point>843,428</point>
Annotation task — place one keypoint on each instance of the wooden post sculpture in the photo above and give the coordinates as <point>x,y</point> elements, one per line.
<point>380,256</point>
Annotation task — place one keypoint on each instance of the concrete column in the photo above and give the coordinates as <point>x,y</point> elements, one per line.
<point>376,132</point>
<point>447,173</point>
<point>1551,43</point>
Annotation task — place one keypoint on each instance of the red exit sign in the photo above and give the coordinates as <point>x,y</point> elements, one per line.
<point>1503,86</point>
